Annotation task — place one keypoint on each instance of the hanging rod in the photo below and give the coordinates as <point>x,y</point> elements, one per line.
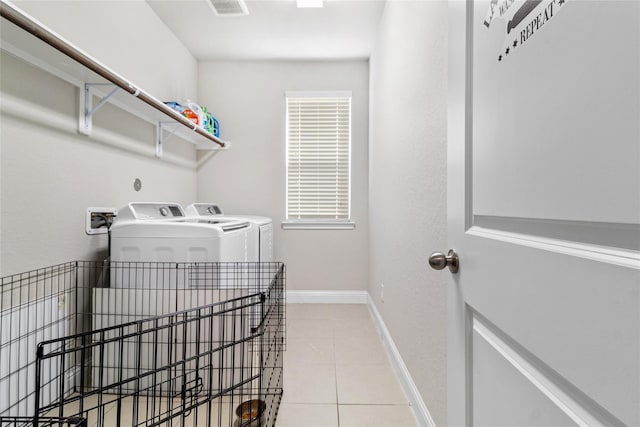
<point>24,21</point>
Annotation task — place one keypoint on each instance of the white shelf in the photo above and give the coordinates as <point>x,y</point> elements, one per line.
<point>21,36</point>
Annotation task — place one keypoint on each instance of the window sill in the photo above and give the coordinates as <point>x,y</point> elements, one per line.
<point>318,225</point>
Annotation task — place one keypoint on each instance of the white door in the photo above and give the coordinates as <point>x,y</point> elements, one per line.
<point>544,212</point>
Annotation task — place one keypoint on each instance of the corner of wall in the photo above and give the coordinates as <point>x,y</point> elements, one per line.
<point>407,189</point>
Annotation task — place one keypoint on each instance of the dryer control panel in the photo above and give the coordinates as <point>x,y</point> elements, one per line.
<point>205,209</point>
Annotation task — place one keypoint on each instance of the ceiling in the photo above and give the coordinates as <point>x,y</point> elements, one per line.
<point>274,30</point>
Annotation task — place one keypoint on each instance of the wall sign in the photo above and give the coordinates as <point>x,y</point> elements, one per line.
<point>523,20</point>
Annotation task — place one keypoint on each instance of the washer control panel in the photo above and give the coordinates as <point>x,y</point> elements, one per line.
<point>157,210</point>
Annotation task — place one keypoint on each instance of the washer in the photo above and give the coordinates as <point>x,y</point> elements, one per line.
<point>260,247</point>
<point>144,234</point>
<point>161,232</point>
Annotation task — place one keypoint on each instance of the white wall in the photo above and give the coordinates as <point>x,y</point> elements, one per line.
<point>407,188</point>
<point>128,37</point>
<point>249,100</point>
<point>49,173</point>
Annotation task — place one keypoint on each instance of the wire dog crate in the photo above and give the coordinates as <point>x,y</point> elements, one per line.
<point>143,344</point>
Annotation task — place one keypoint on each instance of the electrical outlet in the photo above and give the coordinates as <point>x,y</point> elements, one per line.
<point>99,220</point>
<point>381,292</point>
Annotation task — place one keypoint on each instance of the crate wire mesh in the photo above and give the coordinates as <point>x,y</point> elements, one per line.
<point>148,344</point>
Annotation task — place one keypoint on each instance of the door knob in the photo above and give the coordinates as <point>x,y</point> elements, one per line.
<point>438,261</point>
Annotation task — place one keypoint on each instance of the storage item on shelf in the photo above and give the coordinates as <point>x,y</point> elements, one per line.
<point>212,125</point>
<point>198,115</point>
<point>197,110</point>
<point>186,112</point>
<point>176,106</point>
<point>191,115</point>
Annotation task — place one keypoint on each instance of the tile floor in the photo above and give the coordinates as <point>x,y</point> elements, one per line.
<point>336,371</point>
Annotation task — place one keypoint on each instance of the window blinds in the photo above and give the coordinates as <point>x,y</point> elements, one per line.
<point>318,157</point>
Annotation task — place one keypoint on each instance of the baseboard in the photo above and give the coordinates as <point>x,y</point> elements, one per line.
<point>419,408</point>
<point>327,297</point>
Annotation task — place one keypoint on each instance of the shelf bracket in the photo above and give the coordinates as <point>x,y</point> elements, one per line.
<point>160,137</point>
<point>87,110</point>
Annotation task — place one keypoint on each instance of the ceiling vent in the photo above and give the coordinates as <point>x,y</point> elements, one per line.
<point>229,7</point>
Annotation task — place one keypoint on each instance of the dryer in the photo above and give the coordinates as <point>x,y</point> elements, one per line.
<point>260,247</point>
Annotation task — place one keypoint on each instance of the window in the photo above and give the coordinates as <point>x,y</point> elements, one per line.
<point>318,160</point>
